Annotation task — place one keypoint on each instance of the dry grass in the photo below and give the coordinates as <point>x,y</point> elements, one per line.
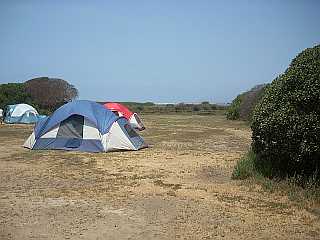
<point>180,188</point>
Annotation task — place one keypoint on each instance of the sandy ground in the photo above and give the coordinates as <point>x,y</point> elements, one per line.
<point>179,188</point>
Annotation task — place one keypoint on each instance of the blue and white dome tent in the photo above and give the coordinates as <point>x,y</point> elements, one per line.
<point>84,126</point>
<point>21,113</point>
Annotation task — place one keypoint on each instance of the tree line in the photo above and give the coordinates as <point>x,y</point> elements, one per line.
<point>46,94</point>
<point>195,108</point>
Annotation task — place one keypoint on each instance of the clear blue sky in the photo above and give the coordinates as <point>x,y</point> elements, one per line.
<point>160,51</point>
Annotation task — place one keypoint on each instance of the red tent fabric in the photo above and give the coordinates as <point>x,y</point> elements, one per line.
<point>119,108</point>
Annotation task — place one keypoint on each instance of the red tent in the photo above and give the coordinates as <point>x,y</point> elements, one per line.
<point>121,110</point>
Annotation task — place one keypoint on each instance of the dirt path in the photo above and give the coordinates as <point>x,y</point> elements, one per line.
<point>180,188</point>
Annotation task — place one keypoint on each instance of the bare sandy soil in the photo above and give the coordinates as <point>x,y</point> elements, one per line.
<point>180,188</point>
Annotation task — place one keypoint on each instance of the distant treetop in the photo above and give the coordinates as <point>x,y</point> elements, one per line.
<point>50,92</point>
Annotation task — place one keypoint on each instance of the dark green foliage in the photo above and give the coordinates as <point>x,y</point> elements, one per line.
<point>249,101</point>
<point>243,105</point>
<point>286,122</point>
<point>233,112</point>
<point>13,93</point>
<point>302,190</point>
<point>196,108</point>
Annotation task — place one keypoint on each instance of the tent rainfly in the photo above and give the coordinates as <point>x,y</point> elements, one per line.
<point>121,110</point>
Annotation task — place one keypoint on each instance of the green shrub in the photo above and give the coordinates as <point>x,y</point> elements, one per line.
<point>300,189</point>
<point>13,93</point>
<point>249,101</point>
<point>242,107</point>
<point>233,110</point>
<point>286,122</point>
<point>196,108</point>
<point>245,167</point>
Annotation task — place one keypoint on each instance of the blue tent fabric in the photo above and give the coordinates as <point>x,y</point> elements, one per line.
<point>22,119</point>
<point>73,144</point>
<point>96,113</point>
<point>27,117</point>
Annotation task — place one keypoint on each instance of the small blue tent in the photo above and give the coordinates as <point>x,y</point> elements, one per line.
<point>84,126</point>
<point>21,113</point>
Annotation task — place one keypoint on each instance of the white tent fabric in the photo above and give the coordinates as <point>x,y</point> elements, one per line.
<point>29,143</point>
<point>136,122</point>
<point>115,139</point>
<point>21,109</point>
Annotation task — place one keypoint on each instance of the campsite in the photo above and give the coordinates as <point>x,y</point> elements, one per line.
<point>162,120</point>
<point>179,188</point>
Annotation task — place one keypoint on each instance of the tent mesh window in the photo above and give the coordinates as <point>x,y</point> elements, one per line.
<point>132,133</point>
<point>30,114</point>
<point>138,120</point>
<point>72,127</point>
<point>116,113</point>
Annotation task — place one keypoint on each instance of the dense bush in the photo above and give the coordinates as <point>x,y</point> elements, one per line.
<point>233,112</point>
<point>12,93</point>
<point>249,101</point>
<point>286,122</point>
<point>243,105</point>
